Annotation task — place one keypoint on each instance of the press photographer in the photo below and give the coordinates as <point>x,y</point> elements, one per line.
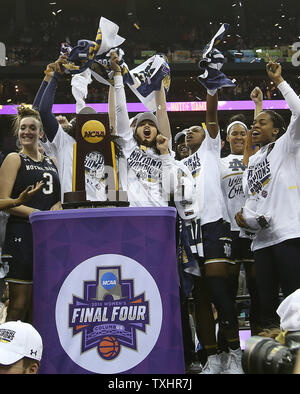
<point>275,351</point>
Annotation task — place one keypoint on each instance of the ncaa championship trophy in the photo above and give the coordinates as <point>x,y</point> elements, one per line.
<point>94,145</point>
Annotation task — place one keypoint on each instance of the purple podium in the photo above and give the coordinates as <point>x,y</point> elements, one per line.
<point>106,293</point>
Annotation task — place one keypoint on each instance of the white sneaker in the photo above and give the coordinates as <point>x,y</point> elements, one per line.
<point>234,362</point>
<point>213,365</point>
<point>194,368</point>
<point>224,359</point>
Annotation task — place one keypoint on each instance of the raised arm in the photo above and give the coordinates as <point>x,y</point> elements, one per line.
<point>50,123</point>
<point>257,97</point>
<point>274,73</point>
<point>122,119</point>
<point>49,120</point>
<point>161,112</point>
<point>112,110</point>
<point>292,100</point>
<point>48,75</point>
<point>212,115</point>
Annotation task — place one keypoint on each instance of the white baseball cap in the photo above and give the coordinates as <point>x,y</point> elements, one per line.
<point>18,340</point>
<point>289,312</point>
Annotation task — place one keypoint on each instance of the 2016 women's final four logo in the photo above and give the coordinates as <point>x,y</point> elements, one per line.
<point>109,314</point>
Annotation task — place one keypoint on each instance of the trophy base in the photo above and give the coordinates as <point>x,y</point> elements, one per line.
<point>77,200</point>
<point>71,197</point>
<point>95,204</point>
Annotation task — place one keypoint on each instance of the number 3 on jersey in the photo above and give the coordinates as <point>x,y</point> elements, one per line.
<point>48,189</point>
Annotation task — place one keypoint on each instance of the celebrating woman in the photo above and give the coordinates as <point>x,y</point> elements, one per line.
<point>18,171</point>
<point>272,210</point>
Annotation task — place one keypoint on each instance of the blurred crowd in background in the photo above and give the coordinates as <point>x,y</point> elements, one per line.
<point>180,30</point>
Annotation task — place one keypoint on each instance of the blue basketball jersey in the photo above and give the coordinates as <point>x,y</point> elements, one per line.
<point>31,172</point>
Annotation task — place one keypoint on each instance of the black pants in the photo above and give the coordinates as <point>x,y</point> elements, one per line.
<point>276,266</point>
<point>188,343</point>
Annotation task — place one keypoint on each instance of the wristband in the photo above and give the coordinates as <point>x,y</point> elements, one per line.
<point>212,92</point>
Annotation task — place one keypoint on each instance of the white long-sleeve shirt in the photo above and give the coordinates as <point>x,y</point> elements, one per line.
<point>146,172</point>
<point>204,165</point>
<point>272,180</point>
<point>232,170</point>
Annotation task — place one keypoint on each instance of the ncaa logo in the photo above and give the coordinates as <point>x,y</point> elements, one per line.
<point>93,131</point>
<point>108,281</point>
<point>108,314</point>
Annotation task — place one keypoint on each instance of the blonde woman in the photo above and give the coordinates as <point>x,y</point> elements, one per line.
<point>18,171</point>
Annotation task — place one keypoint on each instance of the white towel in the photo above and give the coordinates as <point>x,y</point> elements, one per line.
<point>79,85</point>
<point>110,37</point>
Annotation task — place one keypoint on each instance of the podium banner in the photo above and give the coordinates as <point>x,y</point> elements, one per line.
<point>106,291</point>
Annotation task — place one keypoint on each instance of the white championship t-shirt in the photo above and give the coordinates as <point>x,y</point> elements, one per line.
<point>143,180</point>
<point>232,170</point>
<point>204,165</point>
<point>142,175</point>
<point>272,181</point>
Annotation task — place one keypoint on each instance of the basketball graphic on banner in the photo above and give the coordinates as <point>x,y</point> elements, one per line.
<point>108,348</point>
<point>108,314</point>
